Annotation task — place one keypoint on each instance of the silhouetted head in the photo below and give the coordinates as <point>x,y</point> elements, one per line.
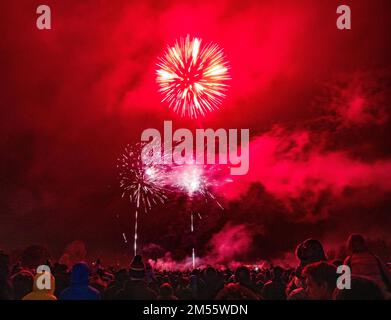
<point>121,275</point>
<point>310,251</point>
<point>356,243</point>
<point>80,274</point>
<point>22,283</point>
<point>242,274</point>
<point>277,272</point>
<point>166,290</point>
<point>361,289</point>
<point>320,280</point>
<point>210,273</point>
<point>137,268</point>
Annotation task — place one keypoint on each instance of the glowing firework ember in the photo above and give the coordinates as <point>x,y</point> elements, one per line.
<point>193,77</point>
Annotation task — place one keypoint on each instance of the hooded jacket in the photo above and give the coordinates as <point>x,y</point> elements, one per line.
<point>366,264</point>
<point>79,289</point>
<point>41,294</point>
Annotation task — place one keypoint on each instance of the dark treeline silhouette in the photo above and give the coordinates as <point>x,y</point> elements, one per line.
<point>315,277</point>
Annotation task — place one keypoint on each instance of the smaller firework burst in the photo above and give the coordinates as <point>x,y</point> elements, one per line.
<point>199,181</point>
<point>143,183</point>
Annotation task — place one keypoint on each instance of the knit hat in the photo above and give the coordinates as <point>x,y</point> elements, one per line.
<point>137,268</point>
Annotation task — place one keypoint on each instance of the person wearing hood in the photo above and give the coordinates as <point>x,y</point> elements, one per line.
<point>41,294</point>
<point>308,252</point>
<point>364,263</point>
<point>79,289</point>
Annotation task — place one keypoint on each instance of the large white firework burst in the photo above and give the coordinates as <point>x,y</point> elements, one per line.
<point>193,77</point>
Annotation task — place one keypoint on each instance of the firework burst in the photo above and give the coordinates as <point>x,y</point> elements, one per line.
<point>149,183</point>
<point>192,77</point>
<point>197,181</point>
<point>142,183</point>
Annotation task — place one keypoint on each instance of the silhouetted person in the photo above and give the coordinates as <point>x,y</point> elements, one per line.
<point>234,291</point>
<point>79,289</point>
<point>213,283</point>
<point>197,285</point>
<point>22,283</point>
<point>166,292</point>
<point>242,276</point>
<point>136,287</point>
<point>362,262</point>
<point>361,289</point>
<point>60,273</point>
<point>275,289</point>
<point>6,291</point>
<point>120,277</point>
<point>183,291</point>
<point>42,294</point>
<point>309,251</point>
<point>320,280</point>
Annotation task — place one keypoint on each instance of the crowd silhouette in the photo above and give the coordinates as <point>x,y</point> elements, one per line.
<point>314,278</point>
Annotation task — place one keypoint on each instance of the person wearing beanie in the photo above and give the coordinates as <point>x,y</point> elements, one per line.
<point>308,252</point>
<point>79,289</point>
<point>137,268</point>
<point>136,287</point>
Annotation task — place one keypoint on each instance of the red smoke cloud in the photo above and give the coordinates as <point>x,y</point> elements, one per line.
<point>288,165</point>
<point>297,163</point>
<point>226,248</point>
<point>230,244</point>
<point>360,99</point>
